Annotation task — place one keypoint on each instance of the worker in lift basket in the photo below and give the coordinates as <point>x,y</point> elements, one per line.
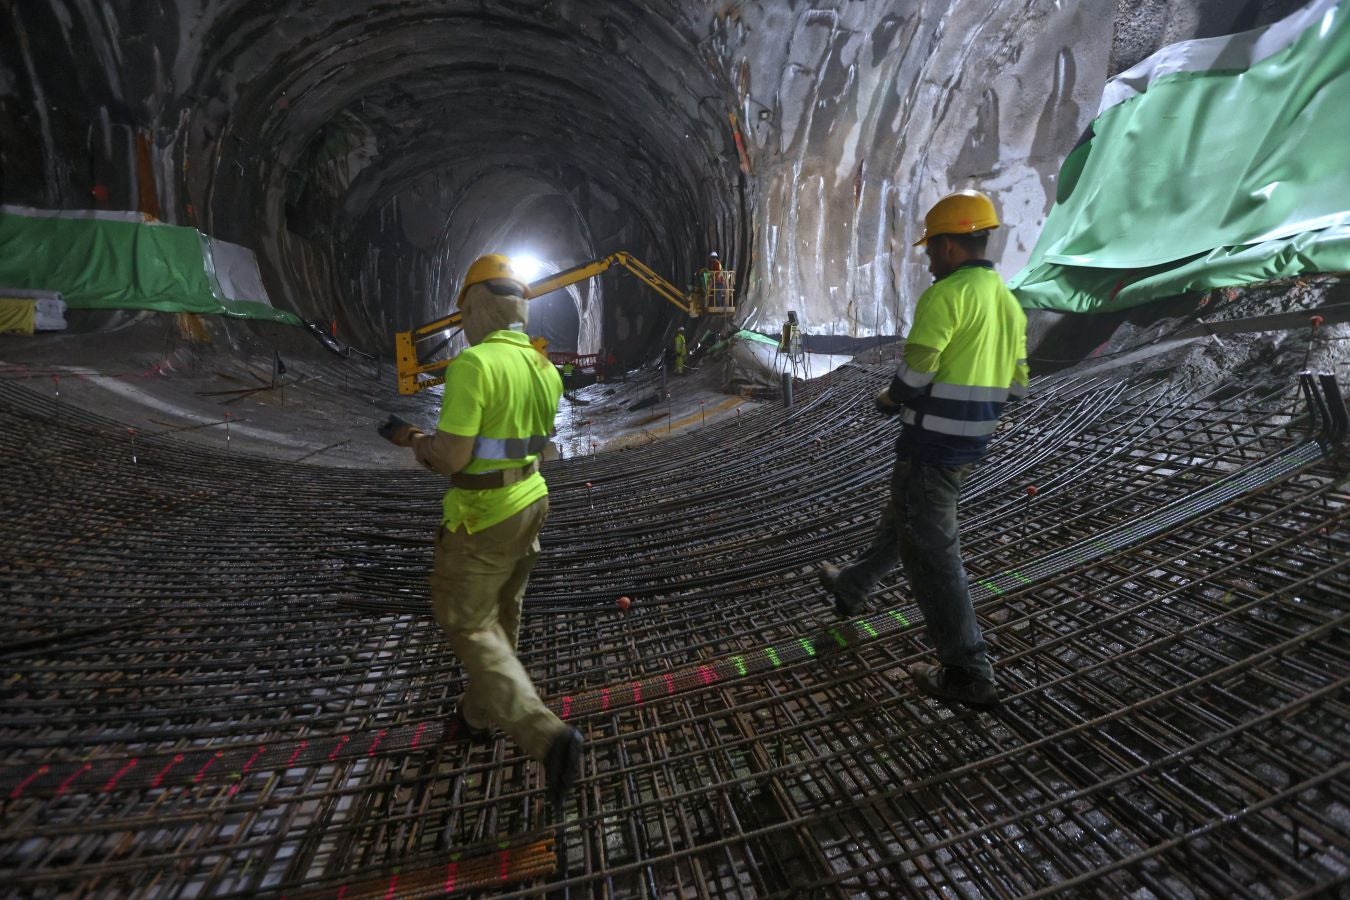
<point>501,397</point>
<point>965,356</point>
<point>710,278</point>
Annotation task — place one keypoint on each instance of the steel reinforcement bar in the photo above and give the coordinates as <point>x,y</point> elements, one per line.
<point>1175,669</point>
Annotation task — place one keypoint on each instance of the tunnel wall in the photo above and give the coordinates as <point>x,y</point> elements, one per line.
<point>367,155</point>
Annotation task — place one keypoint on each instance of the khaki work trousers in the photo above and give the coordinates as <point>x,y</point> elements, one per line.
<point>477,585</point>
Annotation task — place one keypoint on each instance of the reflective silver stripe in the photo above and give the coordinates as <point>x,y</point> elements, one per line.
<point>944,425</point>
<point>1017,391</point>
<point>912,378</point>
<point>947,391</point>
<point>908,416</point>
<point>508,448</point>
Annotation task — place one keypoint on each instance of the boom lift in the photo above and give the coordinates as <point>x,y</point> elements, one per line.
<point>415,375</point>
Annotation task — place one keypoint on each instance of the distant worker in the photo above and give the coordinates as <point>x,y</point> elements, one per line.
<point>679,350</point>
<point>501,397</point>
<point>708,278</point>
<point>964,357</point>
<point>567,369</point>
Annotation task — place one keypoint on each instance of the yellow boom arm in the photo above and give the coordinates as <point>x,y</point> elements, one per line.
<point>413,373</point>
<point>567,277</point>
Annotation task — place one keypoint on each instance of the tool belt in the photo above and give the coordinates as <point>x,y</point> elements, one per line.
<point>485,481</point>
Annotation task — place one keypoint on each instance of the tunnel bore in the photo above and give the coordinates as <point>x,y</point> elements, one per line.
<point>218,674</point>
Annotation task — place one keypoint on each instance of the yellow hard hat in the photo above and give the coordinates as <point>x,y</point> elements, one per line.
<point>959,213</point>
<point>490,267</point>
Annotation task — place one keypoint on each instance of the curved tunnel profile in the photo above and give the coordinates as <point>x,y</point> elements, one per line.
<point>403,142</point>
<point>368,156</point>
<point>220,671</point>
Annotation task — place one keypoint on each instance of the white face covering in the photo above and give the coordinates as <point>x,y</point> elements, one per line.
<point>485,312</point>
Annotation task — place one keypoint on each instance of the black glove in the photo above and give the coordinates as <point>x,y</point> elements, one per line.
<point>885,408</point>
<point>397,431</point>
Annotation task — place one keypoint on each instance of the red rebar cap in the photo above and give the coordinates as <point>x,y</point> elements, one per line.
<point>1031,490</point>
<point>1316,322</point>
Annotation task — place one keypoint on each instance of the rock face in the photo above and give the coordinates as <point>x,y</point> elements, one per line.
<point>368,152</point>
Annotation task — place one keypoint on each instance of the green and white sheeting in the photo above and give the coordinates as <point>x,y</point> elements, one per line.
<point>124,260</point>
<point>1213,162</point>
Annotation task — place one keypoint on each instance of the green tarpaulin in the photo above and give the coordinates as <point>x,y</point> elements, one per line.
<point>100,263</point>
<point>1208,177</point>
<point>757,337</point>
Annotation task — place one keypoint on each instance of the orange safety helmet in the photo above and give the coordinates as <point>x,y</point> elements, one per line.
<point>963,212</point>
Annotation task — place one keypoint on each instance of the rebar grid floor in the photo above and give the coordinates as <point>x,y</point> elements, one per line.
<point>219,677</point>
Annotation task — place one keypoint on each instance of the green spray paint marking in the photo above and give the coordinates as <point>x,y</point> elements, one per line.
<point>1020,577</point>
<point>773,657</point>
<point>898,616</point>
<point>838,638</point>
<point>740,666</point>
<point>990,586</point>
<point>1102,546</point>
<point>806,645</point>
<point>867,626</point>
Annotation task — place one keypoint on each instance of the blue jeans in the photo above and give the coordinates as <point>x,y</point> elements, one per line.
<point>918,527</point>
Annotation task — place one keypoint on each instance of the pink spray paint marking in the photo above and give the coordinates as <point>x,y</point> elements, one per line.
<point>567,708</point>
<point>234,789</point>
<point>159,779</point>
<point>296,755</point>
<point>637,692</point>
<point>670,683</point>
<point>417,735</point>
<point>393,887</point>
<point>604,699</point>
<point>19,788</point>
<point>209,763</point>
<point>451,876</point>
<point>65,785</point>
<point>504,872</point>
<point>112,782</point>
<point>379,737</point>
<point>342,742</point>
<point>707,675</point>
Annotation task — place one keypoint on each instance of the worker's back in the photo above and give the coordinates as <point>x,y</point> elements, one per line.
<point>988,329</point>
<point>978,329</point>
<point>504,394</point>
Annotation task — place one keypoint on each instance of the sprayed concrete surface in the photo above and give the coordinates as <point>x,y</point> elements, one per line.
<point>367,152</point>
<point>323,410</point>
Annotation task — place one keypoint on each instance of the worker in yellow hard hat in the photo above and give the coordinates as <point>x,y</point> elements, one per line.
<point>501,397</point>
<point>964,358</point>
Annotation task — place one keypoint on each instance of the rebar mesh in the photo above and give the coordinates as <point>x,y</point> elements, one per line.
<point>220,679</point>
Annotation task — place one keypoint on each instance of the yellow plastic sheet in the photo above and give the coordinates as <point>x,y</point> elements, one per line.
<point>17,315</point>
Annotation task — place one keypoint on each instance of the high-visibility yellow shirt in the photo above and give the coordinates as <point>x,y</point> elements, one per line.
<point>504,394</point>
<point>679,343</point>
<point>965,356</point>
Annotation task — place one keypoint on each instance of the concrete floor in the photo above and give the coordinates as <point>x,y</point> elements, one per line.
<point>324,410</point>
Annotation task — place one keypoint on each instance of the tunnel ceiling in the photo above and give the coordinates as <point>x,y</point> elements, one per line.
<point>368,151</point>
<point>404,139</point>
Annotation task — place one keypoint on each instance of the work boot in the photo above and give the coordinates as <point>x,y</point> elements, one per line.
<point>954,685</point>
<point>846,603</point>
<point>461,730</point>
<point>562,766</point>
